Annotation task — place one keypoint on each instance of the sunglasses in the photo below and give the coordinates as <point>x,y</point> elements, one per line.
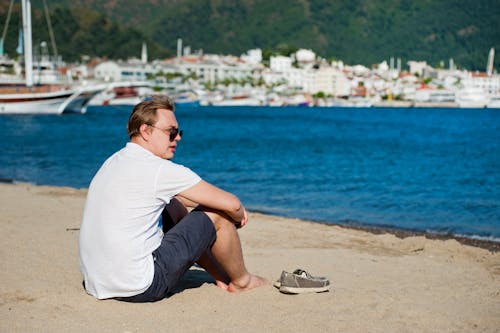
<point>172,132</point>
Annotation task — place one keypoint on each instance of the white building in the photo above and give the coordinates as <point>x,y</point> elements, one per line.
<point>382,68</point>
<point>294,77</point>
<point>327,80</point>
<point>280,63</point>
<point>305,56</point>
<point>112,71</point>
<point>489,84</point>
<point>338,64</point>
<point>360,70</point>
<point>253,57</point>
<point>108,71</point>
<point>212,68</point>
<point>417,67</point>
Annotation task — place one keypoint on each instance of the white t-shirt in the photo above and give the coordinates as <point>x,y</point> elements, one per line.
<point>120,228</point>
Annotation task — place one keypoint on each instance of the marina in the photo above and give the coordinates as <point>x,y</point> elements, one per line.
<point>303,78</point>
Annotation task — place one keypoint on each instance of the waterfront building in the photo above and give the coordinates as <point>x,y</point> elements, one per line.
<point>328,80</point>
<point>417,67</point>
<point>294,77</point>
<point>489,84</point>
<point>300,73</point>
<point>212,68</point>
<point>115,71</point>
<point>280,63</point>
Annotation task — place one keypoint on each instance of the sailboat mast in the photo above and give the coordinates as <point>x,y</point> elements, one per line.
<point>28,54</point>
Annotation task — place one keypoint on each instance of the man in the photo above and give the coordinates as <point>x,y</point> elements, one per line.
<point>124,252</point>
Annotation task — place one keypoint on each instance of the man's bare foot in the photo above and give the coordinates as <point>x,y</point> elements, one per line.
<point>221,284</point>
<point>247,283</point>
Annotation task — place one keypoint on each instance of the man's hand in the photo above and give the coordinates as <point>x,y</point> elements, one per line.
<point>244,220</point>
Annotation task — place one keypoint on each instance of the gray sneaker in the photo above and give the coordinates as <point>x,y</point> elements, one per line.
<point>301,282</point>
<point>277,283</point>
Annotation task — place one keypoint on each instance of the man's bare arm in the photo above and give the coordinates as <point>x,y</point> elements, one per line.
<point>215,198</point>
<point>186,202</point>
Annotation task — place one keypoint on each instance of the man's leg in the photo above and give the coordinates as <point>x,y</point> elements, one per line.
<point>225,259</point>
<point>173,213</point>
<point>229,255</point>
<point>179,249</point>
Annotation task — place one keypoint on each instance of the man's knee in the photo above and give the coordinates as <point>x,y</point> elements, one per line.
<point>219,220</point>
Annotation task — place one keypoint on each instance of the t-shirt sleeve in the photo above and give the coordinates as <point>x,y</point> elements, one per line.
<point>174,178</point>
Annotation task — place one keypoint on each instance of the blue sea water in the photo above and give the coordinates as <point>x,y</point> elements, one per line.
<point>435,170</point>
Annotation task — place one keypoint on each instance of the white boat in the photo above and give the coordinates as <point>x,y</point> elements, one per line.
<point>34,102</point>
<point>211,98</point>
<point>123,93</point>
<point>187,99</point>
<point>40,99</point>
<point>274,99</point>
<point>129,95</point>
<point>297,100</point>
<point>494,102</point>
<point>239,100</point>
<point>434,96</point>
<point>472,97</point>
<point>78,102</point>
<point>359,102</point>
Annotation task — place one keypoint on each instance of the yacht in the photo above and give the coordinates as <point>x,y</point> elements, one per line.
<point>125,93</point>
<point>31,98</point>
<point>494,102</point>
<point>472,97</point>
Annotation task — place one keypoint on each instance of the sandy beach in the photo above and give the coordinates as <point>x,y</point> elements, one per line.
<point>380,283</point>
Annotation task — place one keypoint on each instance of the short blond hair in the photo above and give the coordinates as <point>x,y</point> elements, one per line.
<point>145,113</point>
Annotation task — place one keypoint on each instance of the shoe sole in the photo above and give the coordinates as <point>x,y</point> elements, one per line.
<point>295,290</point>
<point>277,284</point>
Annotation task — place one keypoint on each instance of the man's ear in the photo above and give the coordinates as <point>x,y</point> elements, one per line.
<point>145,131</point>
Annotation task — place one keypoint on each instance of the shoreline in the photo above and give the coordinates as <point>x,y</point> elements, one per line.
<point>379,282</point>
<point>402,233</point>
<point>377,105</point>
<point>490,245</point>
<point>472,240</point>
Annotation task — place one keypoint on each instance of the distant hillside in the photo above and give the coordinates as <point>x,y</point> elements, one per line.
<point>79,31</point>
<point>356,31</point>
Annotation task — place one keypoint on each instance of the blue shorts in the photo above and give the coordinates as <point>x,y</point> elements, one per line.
<point>180,248</point>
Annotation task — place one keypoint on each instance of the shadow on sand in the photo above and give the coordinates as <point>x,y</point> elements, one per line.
<point>194,278</point>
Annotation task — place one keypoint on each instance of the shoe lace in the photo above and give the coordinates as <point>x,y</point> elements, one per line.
<point>301,272</point>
